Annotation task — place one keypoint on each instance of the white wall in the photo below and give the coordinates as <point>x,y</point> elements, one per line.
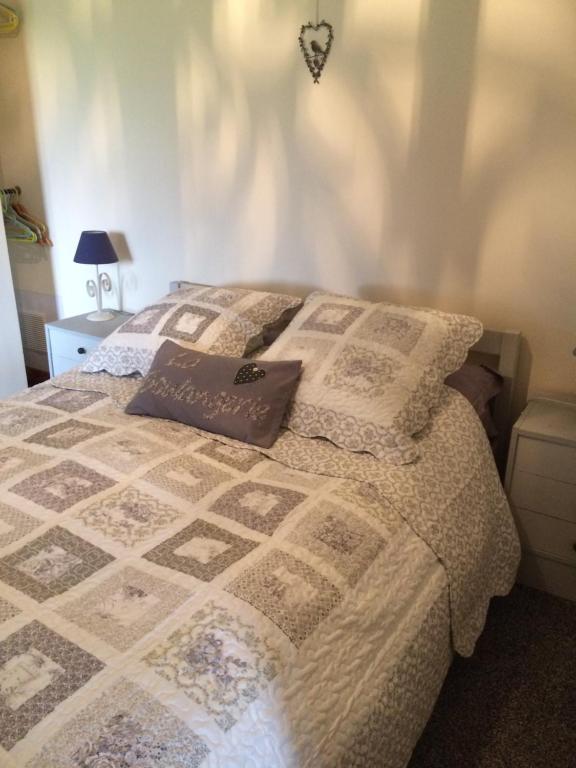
<point>12,373</point>
<point>434,164</point>
<point>31,263</point>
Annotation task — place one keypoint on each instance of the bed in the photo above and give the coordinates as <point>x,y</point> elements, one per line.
<point>152,615</point>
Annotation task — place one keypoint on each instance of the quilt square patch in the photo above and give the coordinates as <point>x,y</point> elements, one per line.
<point>290,593</point>
<point>62,486</point>
<point>312,352</point>
<point>51,564</point>
<point>188,322</point>
<point>7,610</point>
<point>170,431</point>
<point>261,311</point>
<point>128,516</point>
<point>221,297</point>
<point>14,460</point>
<point>14,524</point>
<point>123,728</point>
<point>218,661</point>
<point>72,400</point>
<point>259,506</point>
<point>32,395</point>
<point>16,420</point>
<point>289,476</point>
<point>147,320</point>
<point>125,607</point>
<point>366,497</point>
<point>67,434</point>
<point>39,669</point>
<point>362,371</point>
<point>397,331</point>
<point>332,318</point>
<point>238,458</point>
<point>340,538</point>
<point>125,450</point>
<point>111,414</point>
<point>202,550</point>
<point>187,477</point>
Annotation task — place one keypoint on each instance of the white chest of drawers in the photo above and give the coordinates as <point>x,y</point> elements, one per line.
<point>69,341</point>
<point>541,486</point>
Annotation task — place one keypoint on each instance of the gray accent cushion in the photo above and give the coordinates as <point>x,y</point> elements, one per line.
<point>236,397</point>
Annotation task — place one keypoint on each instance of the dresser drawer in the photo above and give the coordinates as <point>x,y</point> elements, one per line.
<point>71,346</point>
<point>547,535</point>
<point>551,460</point>
<point>540,494</point>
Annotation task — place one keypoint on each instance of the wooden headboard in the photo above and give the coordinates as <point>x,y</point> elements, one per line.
<point>497,349</point>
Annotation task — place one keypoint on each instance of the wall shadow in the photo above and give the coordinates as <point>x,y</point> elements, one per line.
<point>435,168</point>
<point>201,136</point>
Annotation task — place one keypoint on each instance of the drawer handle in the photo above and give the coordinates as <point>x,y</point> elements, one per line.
<point>81,350</point>
<point>574,546</point>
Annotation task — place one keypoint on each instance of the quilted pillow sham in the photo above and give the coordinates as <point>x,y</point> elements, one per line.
<point>224,321</point>
<point>230,396</point>
<point>371,372</point>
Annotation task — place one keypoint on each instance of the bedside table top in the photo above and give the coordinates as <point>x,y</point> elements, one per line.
<point>549,419</point>
<point>100,329</point>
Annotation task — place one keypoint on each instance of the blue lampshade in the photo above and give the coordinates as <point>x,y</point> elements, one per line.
<point>95,247</point>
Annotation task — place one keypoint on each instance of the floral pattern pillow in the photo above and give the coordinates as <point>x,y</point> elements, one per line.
<point>222,321</point>
<point>371,372</point>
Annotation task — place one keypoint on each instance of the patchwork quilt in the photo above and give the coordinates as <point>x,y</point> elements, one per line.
<point>172,599</point>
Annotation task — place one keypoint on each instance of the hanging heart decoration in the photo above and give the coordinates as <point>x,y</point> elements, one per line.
<point>315,42</point>
<point>249,373</point>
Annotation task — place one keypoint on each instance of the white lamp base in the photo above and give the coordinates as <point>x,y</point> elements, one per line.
<point>94,289</point>
<point>100,315</point>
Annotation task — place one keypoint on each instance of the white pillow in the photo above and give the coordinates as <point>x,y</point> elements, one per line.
<point>223,321</point>
<point>371,372</point>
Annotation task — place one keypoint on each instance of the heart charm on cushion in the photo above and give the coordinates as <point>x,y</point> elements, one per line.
<point>248,374</point>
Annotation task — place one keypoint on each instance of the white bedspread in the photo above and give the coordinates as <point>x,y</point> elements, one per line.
<point>169,599</point>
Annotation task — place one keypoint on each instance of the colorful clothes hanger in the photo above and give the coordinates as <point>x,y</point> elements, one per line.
<point>16,229</point>
<point>9,20</point>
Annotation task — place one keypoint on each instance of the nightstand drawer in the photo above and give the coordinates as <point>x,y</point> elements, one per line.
<point>70,340</point>
<point>547,535</point>
<point>61,365</point>
<point>548,575</point>
<point>540,494</point>
<point>547,459</point>
<point>72,346</point>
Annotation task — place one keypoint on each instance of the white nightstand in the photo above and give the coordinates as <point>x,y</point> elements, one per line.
<point>541,486</point>
<point>69,341</point>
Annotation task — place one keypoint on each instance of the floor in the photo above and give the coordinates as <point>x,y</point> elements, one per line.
<point>513,704</point>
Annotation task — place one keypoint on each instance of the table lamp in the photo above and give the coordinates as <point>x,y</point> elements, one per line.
<point>95,247</point>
